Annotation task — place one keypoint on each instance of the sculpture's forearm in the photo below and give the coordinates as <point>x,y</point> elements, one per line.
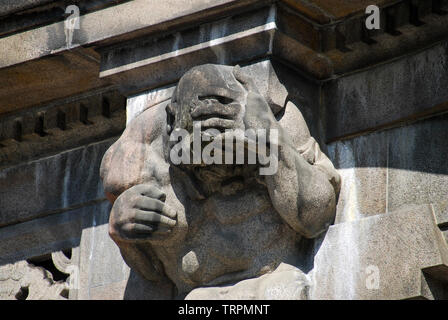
<point>301,193</point>
<point>140,257</point>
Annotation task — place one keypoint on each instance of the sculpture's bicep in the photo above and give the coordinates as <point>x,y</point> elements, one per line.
<point>306,145</point>
<point>137,156</point>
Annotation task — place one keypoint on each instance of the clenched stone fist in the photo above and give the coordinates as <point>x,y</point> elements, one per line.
<point>140,214</point>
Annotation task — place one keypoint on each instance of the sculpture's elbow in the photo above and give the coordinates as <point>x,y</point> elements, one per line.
<point>318,211</point>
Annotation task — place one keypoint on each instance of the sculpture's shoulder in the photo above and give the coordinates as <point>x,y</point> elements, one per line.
<point>292,120</point>
<point>137,156</point>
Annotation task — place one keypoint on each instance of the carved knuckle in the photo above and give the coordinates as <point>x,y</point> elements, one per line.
<point>132,227</point>
<point>131,216</point>
<point>116,231</point>
<point>161,205</point>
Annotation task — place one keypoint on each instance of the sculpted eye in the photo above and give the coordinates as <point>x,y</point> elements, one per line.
<point>220,99</point>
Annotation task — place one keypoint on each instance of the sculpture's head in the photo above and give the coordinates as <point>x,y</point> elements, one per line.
<point>210,104</point>
<point>210,95</point>
<point>207,97</point>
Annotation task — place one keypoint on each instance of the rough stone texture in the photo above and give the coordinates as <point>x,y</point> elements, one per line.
<point>47,79</point>
<point>419,173</point>
<point>11,6</point>
<point>100,263</point>
<point>284,283</point>
<point>385,170</point>
<point>372,81</point>
<point>116,21</point>
<point>51,183</point>
<point>21,15</point>
<point>441,211</point>
<point>23,281</point>
<point>200,32</point>
<point>202,216</point>
<point>62,126</point>
<point>362,164</point>
<point>367,165</point>
<point>102,272</point>
<point>113,291</point>
<point>51,67</point>
<point>278,85</point>
<point>45,235</point>
<point>395,91</point>
<point>401,245</point>
<point>149,63</point>
<point>139,103</point>
<point>325,11</point>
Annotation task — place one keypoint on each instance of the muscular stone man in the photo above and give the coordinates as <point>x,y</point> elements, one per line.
<point>206,225</point>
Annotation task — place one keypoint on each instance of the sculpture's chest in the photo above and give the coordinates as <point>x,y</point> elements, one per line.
<point>229,234</point>
<point>235,224</point>
<point>232,209</point>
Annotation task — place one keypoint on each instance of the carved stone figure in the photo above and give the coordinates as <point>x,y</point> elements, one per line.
<point>204,225</point>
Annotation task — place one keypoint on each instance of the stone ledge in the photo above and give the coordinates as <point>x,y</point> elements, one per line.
<point>65,180</point>
<point>112,25</point>
<point>48,234</point>
<point>155,47</point>
<point>409,236</point>
<point>21,15</point>
<point>61,125</point>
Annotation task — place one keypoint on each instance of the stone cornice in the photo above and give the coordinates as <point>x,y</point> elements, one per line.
<point>135,46</point>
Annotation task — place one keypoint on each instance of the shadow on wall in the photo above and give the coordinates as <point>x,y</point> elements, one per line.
<point>421,146</point>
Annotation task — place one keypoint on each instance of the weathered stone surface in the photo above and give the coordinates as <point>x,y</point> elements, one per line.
<point>325,11</point>
<point>116,21</point>
<point>346,83</point>
<point>381,257</point>
<point>216,224</point>
<point>103,275</point>
<point>418,172</point>
<point>11,6</point>
<point>101,266</point>
<point>51,67</point>
<point>47,234</point>
<point>441,213</point>
<point>19,148</point>
<point>23,281</point>
<point>284,283</point>
<point>150,61</point>
<point>139,103</point>
<point>278,85</point>
<point>387,93</point>
<point>113,291</point>
<point>385,170</point>
<point>46,79</point>
<point>58,182</point>
<point>22,15</point>
<point>153,61</point>
<point>363,166</point>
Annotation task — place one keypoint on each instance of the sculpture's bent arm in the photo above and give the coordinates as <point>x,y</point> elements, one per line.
<point>125,165</point>
<point>305,187</point>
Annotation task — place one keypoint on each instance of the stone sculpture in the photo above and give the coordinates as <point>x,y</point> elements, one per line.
<point>205,225</point>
